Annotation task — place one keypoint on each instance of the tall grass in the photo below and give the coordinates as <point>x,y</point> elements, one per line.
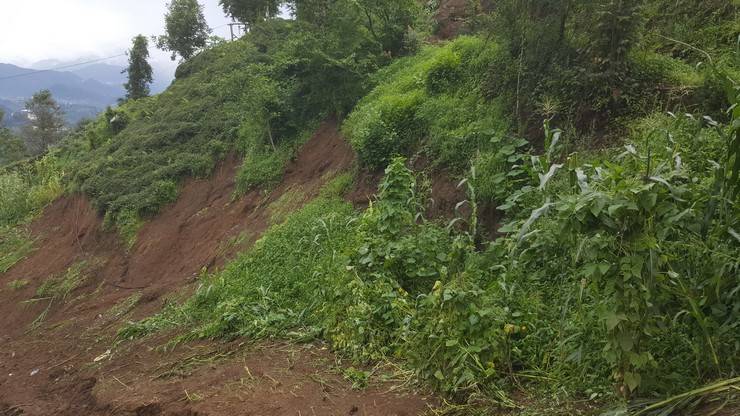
<point>25,192</point>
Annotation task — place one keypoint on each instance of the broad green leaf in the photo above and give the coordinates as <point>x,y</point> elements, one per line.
<point>632,380</point>
<point>613,319</point>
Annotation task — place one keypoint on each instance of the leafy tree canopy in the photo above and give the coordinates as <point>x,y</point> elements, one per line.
<point>386,21</point>
<point>11,146</point>
<point>46,124</point>
<point>186,27</point>
<point>139,71</point>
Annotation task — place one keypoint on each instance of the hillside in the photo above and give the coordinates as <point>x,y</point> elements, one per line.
<point>382,208</point>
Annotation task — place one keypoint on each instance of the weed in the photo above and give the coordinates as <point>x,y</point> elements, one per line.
<point>358,378</point>
<point>123,307</point>
<point>58,288</point>
<point>233,243</point>
<point>338,186</point>
<point>17,284</point>
<point>434,96</point>
<point>15,245</point>
<point>287,203</point>
<point>261,170</point>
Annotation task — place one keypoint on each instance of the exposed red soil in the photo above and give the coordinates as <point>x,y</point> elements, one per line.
<point>450,18</point>
<point>51,369</point>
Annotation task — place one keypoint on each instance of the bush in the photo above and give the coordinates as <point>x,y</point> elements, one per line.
<point>16,201</point>
<point>261,170</point>
<point>389,129</point>
<point>29,188</point>
<point>443,72</point>
<point>429,103</point>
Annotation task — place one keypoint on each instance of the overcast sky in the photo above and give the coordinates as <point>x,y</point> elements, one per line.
<point>67,30</point>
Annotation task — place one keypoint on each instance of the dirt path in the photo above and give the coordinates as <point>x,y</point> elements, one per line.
<point>55,357</point>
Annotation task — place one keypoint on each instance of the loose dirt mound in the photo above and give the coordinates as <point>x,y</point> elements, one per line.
<point>55,357</point>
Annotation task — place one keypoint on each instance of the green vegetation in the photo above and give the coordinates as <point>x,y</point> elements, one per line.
<point>435,95</point>
<point>186,27</point>
<point>17,284</point>
<point>11,147</point>
<point>260,96</point>
<point>610,274</point>
<point>45,128</point>
<point>15,244</point>
<point>286,204</point>
<point>604,277</point>
<point>60,287</point>
<point>25,190</point>
<point>139,71</point>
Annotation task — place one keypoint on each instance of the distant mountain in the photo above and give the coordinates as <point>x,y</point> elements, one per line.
<point>107,73</point>
<point>79,96</point>
<point>18,83</point>
<point>82,91</point>
<point>114,75</point>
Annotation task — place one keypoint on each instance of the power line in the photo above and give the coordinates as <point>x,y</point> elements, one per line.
<point>61,67</point>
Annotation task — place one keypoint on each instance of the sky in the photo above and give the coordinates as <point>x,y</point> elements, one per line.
<point>71,30</point>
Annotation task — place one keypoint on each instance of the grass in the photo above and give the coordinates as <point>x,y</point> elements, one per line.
<point>233,243</point>
<point>15,245</point>
<point>123,307</point>
<point>25,191</point>
<point>262,170</point>
<point>474,323</point>
<point>606,281</point>
<point>430,103</point>
<point>132,167</point>
<point>285,205</point>
<point>17,284</point>
<point>59,288</point>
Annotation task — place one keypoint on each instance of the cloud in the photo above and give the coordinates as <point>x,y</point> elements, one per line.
<point>36,30</point>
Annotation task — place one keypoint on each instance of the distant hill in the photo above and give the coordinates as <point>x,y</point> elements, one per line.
<point>83,92</point>
<point>79,97</point>
<point>66,86</point>
<point>107,73</point>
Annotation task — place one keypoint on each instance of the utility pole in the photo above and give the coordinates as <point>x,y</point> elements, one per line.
<point>237,30</point>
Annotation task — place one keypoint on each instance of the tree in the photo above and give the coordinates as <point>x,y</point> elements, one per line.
<point>46,122</point>
<point>386,21</point>
<point>252,11</point>
<point>616,27</point>
<point>186,27</point>
<point>11,147</point>
<point>139,71</point>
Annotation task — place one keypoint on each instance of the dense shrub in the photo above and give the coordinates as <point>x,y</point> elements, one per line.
<point>430,103</point>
